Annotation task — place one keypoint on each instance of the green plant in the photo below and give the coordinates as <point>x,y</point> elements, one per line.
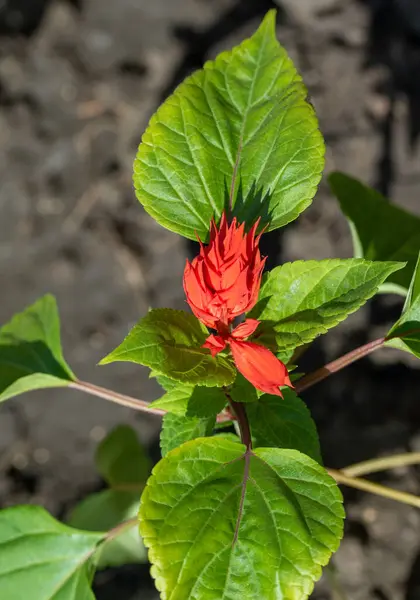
<point>245,515</point>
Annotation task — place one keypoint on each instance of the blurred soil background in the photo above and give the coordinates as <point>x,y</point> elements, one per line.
<point>79,80</point>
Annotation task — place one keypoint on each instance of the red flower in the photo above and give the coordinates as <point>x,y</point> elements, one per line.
<point>222,283</point>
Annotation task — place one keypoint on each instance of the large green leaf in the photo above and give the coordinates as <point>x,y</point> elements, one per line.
<point>169,342</point>
<point>284,423</point>
<point>242,123</point>
<point>177,429</point>
<point>42,559</point>
<point>125,466</point>
<point>380,230</point>
<point>301,300</point>
<point>192,401</point>
<point>223,523</point>
<point>30,351</point>
<point>405,334</point>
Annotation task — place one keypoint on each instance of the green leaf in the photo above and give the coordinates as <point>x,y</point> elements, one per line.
<point>165,382</point>
<point>30,351</point>
<point>220,522</point>
<point>405,334</point>
<point>284,423</point>
<point>176,430</point>
<point>122,460</point>
<point>42,559</point>
<point>242,390</point>
<point>125,466</point>
<point>381,230</point>
<point>169,342</point>
<point>104,511</point>
<point>303,299</point>
<point>241,122</point>
<point>192,401</point>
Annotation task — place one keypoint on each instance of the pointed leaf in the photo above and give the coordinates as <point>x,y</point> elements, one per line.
<point>242,122</point>
<point>30,351</point>
<point>381,230</point>
<point>284,423</point>
<point>303,299</point>
<point>223,523</point>
<point>176,430</point>
<point>42,559</point>
<point>170,342</point>
<point>405,334</point>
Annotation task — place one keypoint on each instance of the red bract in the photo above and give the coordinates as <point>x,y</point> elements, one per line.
<point>222,283</point>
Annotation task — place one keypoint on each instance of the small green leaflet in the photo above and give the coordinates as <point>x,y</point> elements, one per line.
<point>380,230</point>
<point>192,401</point>
<point>123,463</point>
<point>240,126</point>
<point>177,429</point>
<point>30,351</point>
<point>42,559</point>
<point>405,334</point>
<point>300,300</point>
<point>169,342</point>
<point>284,423</point>
<point>206,501</point>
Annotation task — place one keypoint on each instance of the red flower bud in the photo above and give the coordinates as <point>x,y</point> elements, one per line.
<point>223,282</point>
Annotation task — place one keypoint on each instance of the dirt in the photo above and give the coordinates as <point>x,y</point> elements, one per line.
<point>78,83</point>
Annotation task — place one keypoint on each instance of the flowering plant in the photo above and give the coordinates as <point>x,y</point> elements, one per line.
<point>223,283</point>
<point>240,506</point>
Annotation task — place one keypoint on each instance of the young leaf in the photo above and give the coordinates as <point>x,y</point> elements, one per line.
<point>405,334</point>
<point>284,423</point>
<point>301,300</point>
<point>192,401</point>
<point>30,351</point>
<point>176,430</point>
<point>169,342</point>
<point>240,126</point>
<point>42,559</point>
<point>207,500</point>
<point>380,230</point>
<point>125,466</point>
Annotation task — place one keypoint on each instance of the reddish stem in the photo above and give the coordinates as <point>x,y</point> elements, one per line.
<point>239,411</point>
<point>338,364</point>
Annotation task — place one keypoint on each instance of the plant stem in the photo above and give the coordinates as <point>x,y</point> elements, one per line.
<point>122,399</point>
<point>239,410</point>
<point>338,364</point>
<point>375,488</point>
<point>381,464</point>
<point>120,528</point>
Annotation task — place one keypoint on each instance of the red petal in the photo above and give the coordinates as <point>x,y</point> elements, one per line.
<point>215,343</point>
<point>245,329</point>
<point>257,364</point>
<point>197,297</point>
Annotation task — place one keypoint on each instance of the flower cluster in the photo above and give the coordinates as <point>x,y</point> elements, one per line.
<point>221,284</point>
